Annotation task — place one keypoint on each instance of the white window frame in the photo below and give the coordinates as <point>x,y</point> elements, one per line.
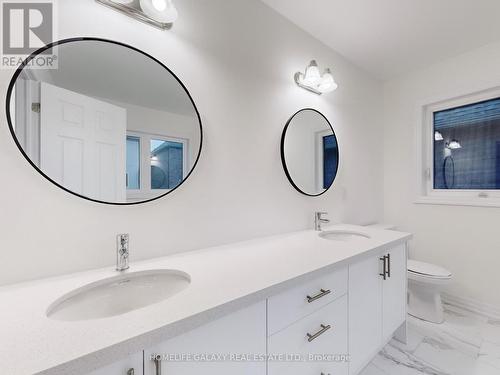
<point>145,191</point>
<point>426,193</point>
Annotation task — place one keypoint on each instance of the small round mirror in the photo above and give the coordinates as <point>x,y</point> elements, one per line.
<point>310,152</point>
<point>106,122</point>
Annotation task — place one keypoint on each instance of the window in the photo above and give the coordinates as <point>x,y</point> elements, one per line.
<point>133,163</point>
<point>154,162</point>
<point>166,164</point>
<point>461,144</point>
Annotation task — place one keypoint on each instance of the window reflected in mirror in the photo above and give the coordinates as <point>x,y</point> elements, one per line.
<point>167,163</point>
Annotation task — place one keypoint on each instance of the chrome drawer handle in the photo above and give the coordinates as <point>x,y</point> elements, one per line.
<point>384,272</point>
<point>322,293</point>
<point>319,333</point>
<point>157,362</point>
<point>389,265</point>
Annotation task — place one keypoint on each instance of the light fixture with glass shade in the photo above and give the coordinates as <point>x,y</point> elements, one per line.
<point>453,145</point>
<point>158,13</point>
<point>312,80</point>
<point>438,136</point>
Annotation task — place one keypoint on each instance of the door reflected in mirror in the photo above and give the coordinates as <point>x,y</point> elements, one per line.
<point>310,152</point>
<point>110,124</point>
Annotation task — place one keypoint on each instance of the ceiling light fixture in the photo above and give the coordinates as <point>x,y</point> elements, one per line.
<point>158,13</point>
<point>453,145</point>
<point>163,11</point>
<point>312,80</point>
<point>159,5</point>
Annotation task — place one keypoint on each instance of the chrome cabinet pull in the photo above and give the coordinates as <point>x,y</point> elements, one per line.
<point>322,293</point>
<point>157,361</point>
<point>323,373</point>
<point>319,333</point>
<point>131,371</point>
<point>389,265</point>
<point>384,272</point>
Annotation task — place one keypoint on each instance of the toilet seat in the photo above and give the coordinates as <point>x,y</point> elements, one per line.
<point>428,270</point>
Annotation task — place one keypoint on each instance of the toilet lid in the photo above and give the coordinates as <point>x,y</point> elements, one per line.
<point>427,269</point>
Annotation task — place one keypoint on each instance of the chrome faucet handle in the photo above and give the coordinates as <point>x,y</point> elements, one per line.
<point>318,220</point>
<point>122,252</point>
<point>123,238</point>
<point>319,215</point>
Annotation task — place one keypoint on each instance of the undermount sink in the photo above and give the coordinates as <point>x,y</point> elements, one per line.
<point>118,295</point>
<point>342,235</point>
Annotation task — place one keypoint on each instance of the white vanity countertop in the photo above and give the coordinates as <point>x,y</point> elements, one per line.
<point>223,279</point>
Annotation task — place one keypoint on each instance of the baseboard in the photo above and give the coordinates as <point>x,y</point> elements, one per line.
<point>481,308</point>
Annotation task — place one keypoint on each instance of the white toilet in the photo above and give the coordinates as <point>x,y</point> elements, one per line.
<point>425,283</point>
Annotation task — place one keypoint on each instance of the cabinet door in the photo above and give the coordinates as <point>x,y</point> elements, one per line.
<point>365,312</point>
<point>131,365</point>
<point>208,349</point>
<point>394,292</point>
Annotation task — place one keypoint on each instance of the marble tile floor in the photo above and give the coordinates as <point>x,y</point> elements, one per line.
<point>465,344</point>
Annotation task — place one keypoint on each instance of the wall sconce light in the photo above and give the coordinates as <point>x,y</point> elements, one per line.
<point>158,13</point>
<point>438,136</point>
<point>313,81</point>
<point>453,145</point>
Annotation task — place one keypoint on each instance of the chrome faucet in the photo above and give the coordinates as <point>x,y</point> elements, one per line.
<point>122,253</point>
<point>318,220</point>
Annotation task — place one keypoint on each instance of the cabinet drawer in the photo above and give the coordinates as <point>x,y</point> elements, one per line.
<point>293,304</point>
<point>322,351</point>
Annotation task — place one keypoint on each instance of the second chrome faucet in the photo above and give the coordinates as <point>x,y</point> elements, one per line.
<point>318,220</point>
<point>122,252</point>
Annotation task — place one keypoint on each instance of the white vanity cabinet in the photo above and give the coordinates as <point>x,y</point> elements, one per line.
<point>377,304</point>
<point>241,334</point>
<point>333,324</point>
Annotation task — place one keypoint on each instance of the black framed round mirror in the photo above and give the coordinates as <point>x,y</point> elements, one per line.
<point>106,122</point>
<point>310,152</point>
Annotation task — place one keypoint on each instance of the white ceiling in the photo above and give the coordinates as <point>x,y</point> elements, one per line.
<point>390,37</point>
<point>109,71</point>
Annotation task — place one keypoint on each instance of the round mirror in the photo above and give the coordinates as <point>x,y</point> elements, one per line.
<point>310,152</point>
<point>106,122</point>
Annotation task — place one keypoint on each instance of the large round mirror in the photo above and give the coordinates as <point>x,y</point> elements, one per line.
<point>310,152</point>
<point>108,122</point>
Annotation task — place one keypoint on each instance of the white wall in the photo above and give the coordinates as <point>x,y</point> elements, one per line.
<point>237,58</point>
<point>463,239</point>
